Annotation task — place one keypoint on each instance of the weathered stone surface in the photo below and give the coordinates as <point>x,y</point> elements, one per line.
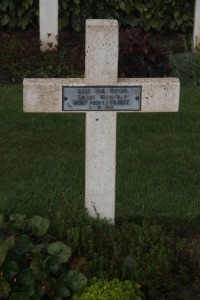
<point>100,164</point>
<point>48,10</point>
<point>101,50</point>
<point>45,95</point>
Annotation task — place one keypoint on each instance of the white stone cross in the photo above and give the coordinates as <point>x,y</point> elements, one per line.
<point>48,10</point>
<point>196,29</point>
<point>101,63</point>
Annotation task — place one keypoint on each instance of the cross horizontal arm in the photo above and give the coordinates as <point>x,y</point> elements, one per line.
<point>45,95</point>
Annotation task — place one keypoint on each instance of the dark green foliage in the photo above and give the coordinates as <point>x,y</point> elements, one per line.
<point>22,58</point>
<point>186,66</point>
<point>146,254</point>
<point>137,58</point>
<point>155,14</point>
<point>161,14</point>
<point>17,13</point>
<point>111,290</point>
<point>33,264</point>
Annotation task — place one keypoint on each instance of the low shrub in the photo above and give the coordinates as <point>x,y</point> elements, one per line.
<point>33,264</point>
<point>21,57</point>
<point>154,14</point>
<point>146,258</point>
<point>111,290</point>
<point>137,57</point>
<point>186,66</point>
<point>146,253</point>
<point>15,13</point>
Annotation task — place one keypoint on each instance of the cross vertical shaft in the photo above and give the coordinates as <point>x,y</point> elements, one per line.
<point>101,67</point>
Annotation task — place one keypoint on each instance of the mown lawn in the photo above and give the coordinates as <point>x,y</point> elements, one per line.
<point>158,161</point>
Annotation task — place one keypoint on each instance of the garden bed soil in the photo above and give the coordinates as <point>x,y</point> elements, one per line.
<point>170,41</point>
<point>15,43</point>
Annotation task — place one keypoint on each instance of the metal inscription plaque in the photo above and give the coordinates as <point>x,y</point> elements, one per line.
<point>99,98</point>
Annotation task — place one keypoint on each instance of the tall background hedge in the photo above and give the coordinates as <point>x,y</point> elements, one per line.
<point>176,15</point>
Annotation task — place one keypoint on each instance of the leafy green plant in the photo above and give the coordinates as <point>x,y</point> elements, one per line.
<point>21,58</point>
<point>160,15</point>
<point>155,14</point>
<point>186,66</point>
<point>111,290</point>
<point>137,57</point>
<point>16,13</point>
<point>146,254</point>
<point>33,264</point>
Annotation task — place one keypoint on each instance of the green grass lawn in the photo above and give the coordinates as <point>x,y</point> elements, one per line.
<point>158,161</point>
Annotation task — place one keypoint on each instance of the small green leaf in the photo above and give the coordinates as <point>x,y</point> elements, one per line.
<point>38,225</point>
<point>37,248</point>
<point>5,20</point>
<point>5,246</point>
<point>62,290</point>
<point>30,290</point>
<point>26,277</point>
<point>10,242</point>
<point>60,250</point>
<point>176,13</point>
<point>11,5</point>
<point>36,268</point>
<point>19,296</point>
<point>17,217</point>
<point>23,245</point>
<point>52,264</point>
<point>179,21</point>
<point>46,238</point>
<point>5,288</point>
<point>10,269</point>
<point>75,280</point>
<point>148,15</point>
<point>122,5</point>
<point>75,22</point>
<point>3,252</point>
<point>131,21</point>
<point>39,291</point>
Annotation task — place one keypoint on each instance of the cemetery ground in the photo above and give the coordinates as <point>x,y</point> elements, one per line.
<point>42,172</point>
<point>156,237</point>
<point>157,160</point>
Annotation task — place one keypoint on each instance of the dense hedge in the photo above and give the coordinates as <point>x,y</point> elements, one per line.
<point>149,14</point>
